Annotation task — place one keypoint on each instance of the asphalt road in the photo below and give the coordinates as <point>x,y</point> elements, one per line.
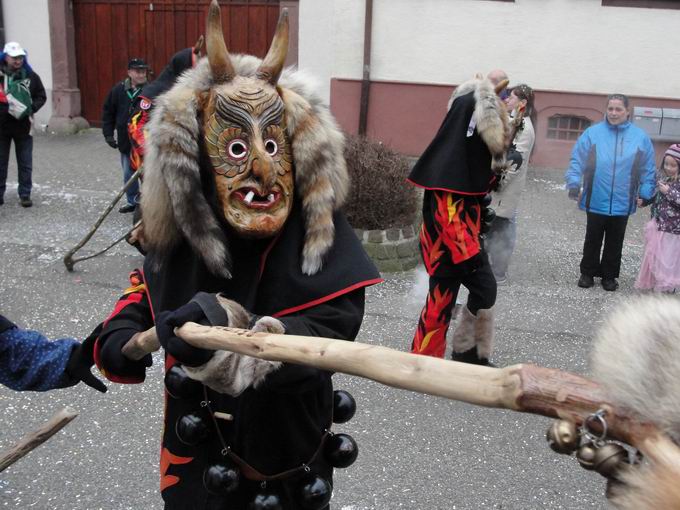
<point>416,452</point>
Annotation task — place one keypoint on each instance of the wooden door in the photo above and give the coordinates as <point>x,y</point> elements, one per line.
<point>110,32</point>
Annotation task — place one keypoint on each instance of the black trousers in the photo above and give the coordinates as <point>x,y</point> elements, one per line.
<point>430,336</point>
<point>611,229</point>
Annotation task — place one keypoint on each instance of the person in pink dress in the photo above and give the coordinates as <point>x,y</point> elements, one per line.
<point>660,270</point>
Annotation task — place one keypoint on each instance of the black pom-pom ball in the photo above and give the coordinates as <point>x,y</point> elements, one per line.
<point>266,501</point>
<point>191,429</point>
<point>221,479</point>
<point>344,406</point>
<point>340,450</point>
<point>315,493</point>
<point>179,384</point>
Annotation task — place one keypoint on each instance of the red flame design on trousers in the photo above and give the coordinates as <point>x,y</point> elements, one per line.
<point>430,337</point>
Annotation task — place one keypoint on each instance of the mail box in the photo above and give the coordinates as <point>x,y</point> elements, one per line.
<point>648,119</point>
<point>670,124</point>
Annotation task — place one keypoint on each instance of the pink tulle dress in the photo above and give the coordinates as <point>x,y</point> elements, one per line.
<point>660,270</point>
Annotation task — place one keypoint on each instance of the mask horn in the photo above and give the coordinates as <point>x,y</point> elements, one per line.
<point>272,65</point>
<point>218,56</point>
<point>501,86</point>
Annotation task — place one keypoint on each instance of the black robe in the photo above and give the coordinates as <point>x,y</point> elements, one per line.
<point>457,160</point>
<point>281,425</point>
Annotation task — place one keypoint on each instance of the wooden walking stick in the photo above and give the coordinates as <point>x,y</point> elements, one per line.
<point>69,261</point>
<point>524,388</point>
<point>31,441</point>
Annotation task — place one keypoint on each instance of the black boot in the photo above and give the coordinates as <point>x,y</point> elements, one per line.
<point>470,356</point>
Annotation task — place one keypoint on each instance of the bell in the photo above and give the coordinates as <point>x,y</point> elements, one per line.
<point>191,429</point>
<point>221,479</point>
<point>586,455</point>
<point>315,493</point>
<point>179,385</point>
<point>562,437</point>
<point>340,450</point>
<point>265,501</point>
<point>344,406</point>
<point>609,458</point>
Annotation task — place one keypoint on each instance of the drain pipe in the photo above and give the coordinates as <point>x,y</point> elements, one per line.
<point>2,27</point>
<point>366,77</point>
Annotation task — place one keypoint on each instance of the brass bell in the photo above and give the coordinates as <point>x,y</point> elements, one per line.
<point>609,458</point>
<point>562,437</point>
<point>586,455</point>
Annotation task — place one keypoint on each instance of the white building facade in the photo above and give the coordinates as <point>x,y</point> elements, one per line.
<point>572,52</point>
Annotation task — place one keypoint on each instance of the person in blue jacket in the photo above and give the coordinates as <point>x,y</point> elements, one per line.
<point>30,361</point>
<point>611,172</point>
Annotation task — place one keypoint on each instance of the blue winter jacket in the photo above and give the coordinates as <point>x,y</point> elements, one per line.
<point>29,361</point>
<point>614,165</point>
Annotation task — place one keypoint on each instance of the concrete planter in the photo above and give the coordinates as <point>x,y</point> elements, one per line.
<point>392,250</point>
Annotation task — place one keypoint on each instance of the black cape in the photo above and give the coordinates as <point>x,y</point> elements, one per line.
<point>281,424</point>
<point>457,160</point>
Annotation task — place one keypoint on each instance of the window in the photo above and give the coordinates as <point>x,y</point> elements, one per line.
<point>566,127</point>
<point>650,4</point>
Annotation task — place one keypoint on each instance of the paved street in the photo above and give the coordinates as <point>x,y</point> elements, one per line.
<point>416,452</point>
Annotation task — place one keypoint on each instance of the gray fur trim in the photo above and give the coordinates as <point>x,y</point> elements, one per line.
<point>173,205</point>
<point>464,335</point>
<point>490,116</point>
<point>230,373</point>
<point>484,332</point>
<point>636,358</point>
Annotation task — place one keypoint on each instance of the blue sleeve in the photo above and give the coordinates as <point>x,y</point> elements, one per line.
<point>30,361</point>
<point>579,158</point>
<point>648,174</point>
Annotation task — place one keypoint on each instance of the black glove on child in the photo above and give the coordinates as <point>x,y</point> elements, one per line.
<point>202,309</point>
<point>111,141</point>
<point>5,324</point>
<point>81,361</point>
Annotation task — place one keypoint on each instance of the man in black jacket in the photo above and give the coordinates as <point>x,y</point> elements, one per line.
<point>17,75</point>
<point>116,113</point>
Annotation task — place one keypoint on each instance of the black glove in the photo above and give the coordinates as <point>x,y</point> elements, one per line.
<point>573,193</point>
<point>5,324</point>
<point>202,309</point>
<point>82,359</point>
<point>111,141</point>
<point>644,202</point>
<point>488,215</point>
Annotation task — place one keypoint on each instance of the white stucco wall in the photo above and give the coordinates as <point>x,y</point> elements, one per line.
<point>566,45</point>
<point>27,21</point>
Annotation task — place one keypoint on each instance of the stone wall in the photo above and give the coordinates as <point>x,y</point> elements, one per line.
<point>394,249</point>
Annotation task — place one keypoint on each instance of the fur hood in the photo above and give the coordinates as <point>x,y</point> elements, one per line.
<point>173,204</point>
<point>490,116</point>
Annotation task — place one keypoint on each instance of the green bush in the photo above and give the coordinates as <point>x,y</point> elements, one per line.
<point>380,197</point>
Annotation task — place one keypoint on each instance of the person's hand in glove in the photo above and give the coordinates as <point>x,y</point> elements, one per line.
<point>81,361</point>
<point>111,141</point>
<point>180,350</point>
<point>573,193</point>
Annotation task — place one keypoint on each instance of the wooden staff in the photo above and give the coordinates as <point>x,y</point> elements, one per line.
<point>524,388</point>
<point>31,441</point>
<point>69,261</point>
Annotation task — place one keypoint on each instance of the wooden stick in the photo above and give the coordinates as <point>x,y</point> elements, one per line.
<point>524,388</point>
<point>68,258</point>
<point>31,441</point>
<point>141,344</point>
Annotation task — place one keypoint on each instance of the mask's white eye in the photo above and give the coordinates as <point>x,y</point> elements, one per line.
<point>237,149</point>
<point>271,147</point>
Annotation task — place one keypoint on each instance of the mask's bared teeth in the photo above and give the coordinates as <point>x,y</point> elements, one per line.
<point>270,197</point>
<point>249,197</point>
